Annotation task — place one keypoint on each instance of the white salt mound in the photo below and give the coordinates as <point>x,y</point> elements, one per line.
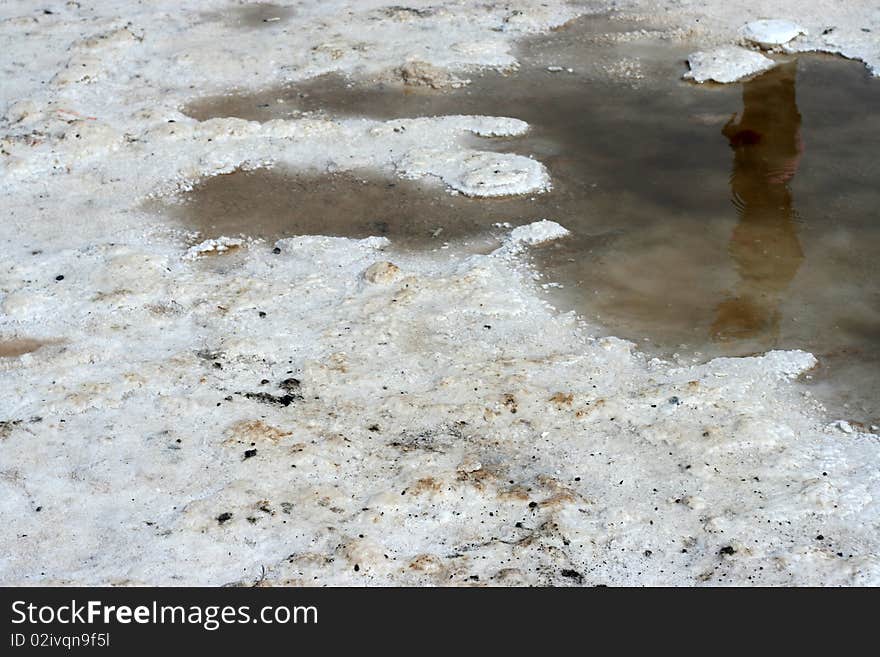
<point>476,173</point>
<point>771,32</point>
<point>381,272</point>
<point>219,245</point>
<point>537,232</point>
<point>726,64</point>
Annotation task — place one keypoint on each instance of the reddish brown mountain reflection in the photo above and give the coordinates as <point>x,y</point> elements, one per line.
<point>766,141</point>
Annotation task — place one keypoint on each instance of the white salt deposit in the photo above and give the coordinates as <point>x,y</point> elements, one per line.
<point>846,28</point>
<point>476,173</point>
<point>537,232</point>
<point>726,64</point>
<point>218,245</point>
<point>770,33</point>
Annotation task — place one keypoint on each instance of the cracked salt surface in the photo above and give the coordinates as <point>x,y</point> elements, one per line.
<point>445,427</point>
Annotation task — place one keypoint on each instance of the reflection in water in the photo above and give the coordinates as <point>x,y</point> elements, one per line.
<point>767,146</point>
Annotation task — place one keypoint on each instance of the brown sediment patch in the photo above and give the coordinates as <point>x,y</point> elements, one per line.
<point>14,347</point>
<point>477,478</point>
<point>254,431</point>
<point>426,563</point>
<point>561,398</point>
<point>514,494</point>
<point>425,485</point>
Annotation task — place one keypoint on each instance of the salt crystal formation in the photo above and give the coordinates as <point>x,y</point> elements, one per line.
<point>537,232</point>
<point>771,33</point>
<point>726,64</point>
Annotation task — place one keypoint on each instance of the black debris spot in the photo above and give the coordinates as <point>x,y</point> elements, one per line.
<point>250,453</point>
<point>59,277</point>
<point>264,382</point>
<point>276,250</point>
<point>266,398</point>
<point>572,574</point>
<point>648,553</point>
<point>727,549</point>
<point>357,567</point>
<point>820,537</point>
<point>6,427</point>
<point>262,313</point>
<point>674,400</point>
<point>224,517</point>
<point>289,385</point>
<point>533,505</point>
<point>373,427</point>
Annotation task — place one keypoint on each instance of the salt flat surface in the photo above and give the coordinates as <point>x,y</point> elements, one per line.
<point>329,411</point>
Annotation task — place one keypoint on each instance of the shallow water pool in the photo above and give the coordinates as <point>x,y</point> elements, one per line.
<point>706,220</point>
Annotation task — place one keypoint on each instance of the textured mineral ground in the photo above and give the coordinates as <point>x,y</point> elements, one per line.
<point>329,407</point>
